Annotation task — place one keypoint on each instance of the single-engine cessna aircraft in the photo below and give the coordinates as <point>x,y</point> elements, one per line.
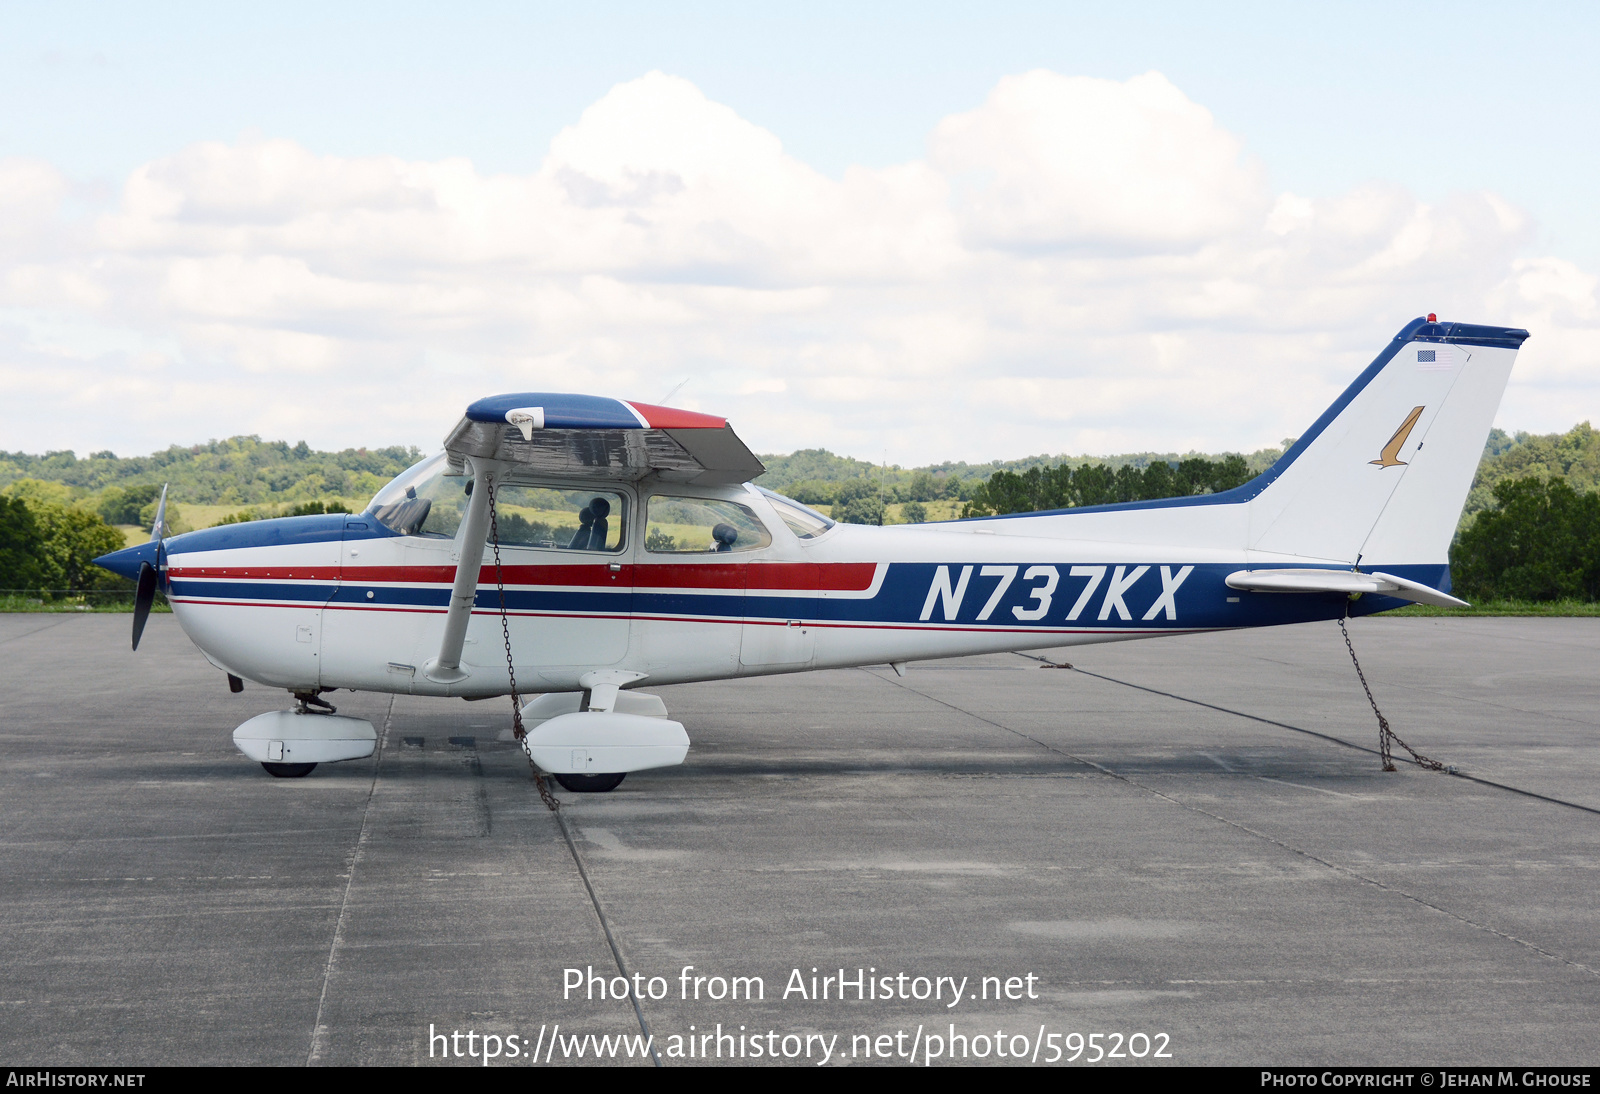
<point>586,546</point>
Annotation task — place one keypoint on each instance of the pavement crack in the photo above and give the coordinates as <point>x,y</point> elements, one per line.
<point>483,820</point>
<point>1452,771</point>
<point>36,630</point>
<point>319,1032</point>
<point>1356,875</point>
<point>611,939</point>
<point>1343,871</point>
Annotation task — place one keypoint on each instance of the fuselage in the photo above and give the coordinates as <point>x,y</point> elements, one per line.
<point>630,544</point>
<point>347,602</point>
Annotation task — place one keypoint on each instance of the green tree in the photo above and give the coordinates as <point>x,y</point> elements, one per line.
<point>859,501</point>
<point>914,512</point>
<point>40,492</point>
<point>19,544</point>
<point>866,509</point>
<point>846,492</point>
<point>68,541</point>
<point>121,504</point>
<point>1573,456</point>
<point>1096,484</point>
<point>923,486</point>
<point>814,492</point>
<point>1063,487</point>
<point>172,518</point>
<point>1542,542</point>
<point>316,508</point>
<point>239,471</point>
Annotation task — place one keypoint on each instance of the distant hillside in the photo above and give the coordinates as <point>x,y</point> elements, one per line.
<point>207,481</point>
<point>216,479</point>
<point>814,475</point>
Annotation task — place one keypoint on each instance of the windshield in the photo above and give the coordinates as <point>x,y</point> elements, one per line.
<point>425,500</point>
<point>803,522</point>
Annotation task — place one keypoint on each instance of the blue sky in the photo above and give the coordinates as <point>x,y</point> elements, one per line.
<point>1321,101</point>
<point>1438,97</point>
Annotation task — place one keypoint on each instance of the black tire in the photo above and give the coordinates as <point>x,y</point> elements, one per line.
<point>592,784</point>
<point>289,771</point>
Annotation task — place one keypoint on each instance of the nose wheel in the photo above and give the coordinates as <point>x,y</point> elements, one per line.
<point>591,784</point>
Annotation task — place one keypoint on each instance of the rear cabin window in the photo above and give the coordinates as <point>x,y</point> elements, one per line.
<point>558,519</point>
<point>680,525</point>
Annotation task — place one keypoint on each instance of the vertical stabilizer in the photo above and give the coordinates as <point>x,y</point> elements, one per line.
<point>1381,477</point>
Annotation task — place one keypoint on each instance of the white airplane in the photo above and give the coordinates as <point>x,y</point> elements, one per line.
<point>573,547</point>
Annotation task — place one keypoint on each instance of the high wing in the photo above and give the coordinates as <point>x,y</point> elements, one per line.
<point>585,436</point>
<point>588,436</point>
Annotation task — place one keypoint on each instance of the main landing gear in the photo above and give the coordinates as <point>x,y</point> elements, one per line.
<point>576,736</point>
<point>289,771</point>
<point>591,784</point>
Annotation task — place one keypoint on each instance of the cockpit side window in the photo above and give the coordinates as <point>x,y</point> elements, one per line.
<point>687,525</point>
<point>427,500</point>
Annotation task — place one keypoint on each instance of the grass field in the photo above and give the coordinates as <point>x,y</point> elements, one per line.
<point>895,514</point>
<point>77,602</point>
<point>1507,607</point>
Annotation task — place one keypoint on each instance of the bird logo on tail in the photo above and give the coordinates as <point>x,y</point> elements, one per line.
<point>1389,457</point>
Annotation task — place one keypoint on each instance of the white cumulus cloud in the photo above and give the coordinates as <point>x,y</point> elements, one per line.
<point>1076,265</point>
<point>1059,162</point>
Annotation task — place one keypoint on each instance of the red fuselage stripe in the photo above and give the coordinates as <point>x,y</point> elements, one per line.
<point>799,577</point>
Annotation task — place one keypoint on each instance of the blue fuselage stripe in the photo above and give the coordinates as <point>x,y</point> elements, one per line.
<point>915,594</point>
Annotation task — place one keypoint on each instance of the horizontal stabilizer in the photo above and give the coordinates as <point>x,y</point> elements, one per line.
<point>1341,581</point>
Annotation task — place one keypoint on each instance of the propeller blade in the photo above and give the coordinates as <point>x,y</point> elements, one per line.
<point>158,530</point>
<point>142,599</point>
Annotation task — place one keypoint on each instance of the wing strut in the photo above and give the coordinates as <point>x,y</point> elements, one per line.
<point>446,668</point>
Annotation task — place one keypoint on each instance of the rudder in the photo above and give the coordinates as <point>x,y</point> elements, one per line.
<point>1381,477</point>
